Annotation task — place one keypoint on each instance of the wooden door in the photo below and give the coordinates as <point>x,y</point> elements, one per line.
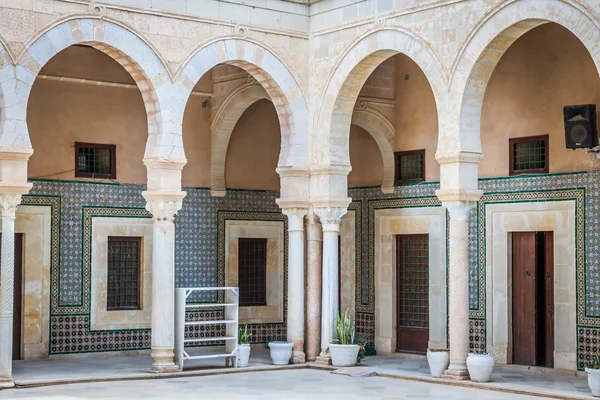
<point>524,297</point>
<point>17,296</point>
<point>412,295</point>
<point>547,240</point>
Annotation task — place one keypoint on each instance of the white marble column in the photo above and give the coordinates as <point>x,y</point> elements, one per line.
<point>295,297</point>
<point>163,283</point>
<point>313,286</point>
<point>8,208</point>
<point>458,289</point>
<point>330,220</point>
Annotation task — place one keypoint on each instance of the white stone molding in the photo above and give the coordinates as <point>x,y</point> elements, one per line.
<point>383,131</point>
<point>501,220</point>
<point>222,127</point>
<point>483,49</point>
<point>268,70</point>
<point>350,73</point>
<point>407,221</point>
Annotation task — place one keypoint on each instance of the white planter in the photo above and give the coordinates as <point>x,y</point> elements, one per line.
<point>480,367</point>
<point>438,361</point>
<point>243,355</point>
<point>343,355</point>
<point>594,381</point>
<point>281,352</point>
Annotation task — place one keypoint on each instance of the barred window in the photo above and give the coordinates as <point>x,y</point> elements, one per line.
<point>528,155</point>
<point>410,166</point>
<point>95,160</point>
<point>124,273</point>
<point>252,274</point>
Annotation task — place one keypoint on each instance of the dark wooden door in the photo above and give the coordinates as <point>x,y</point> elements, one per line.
<point>547,302</point>
<point>412,284</point>
<point>18,297</point>
<point>524,297</point>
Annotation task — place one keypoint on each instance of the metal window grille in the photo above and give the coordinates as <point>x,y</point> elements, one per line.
<point>413,280</point>
<point>124,273</point>
<point>95,160</point>
<point>528,155</point>
<point>410,166</point>
<point>252,275</point>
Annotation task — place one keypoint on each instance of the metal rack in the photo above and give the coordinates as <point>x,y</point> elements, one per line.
<point>230,305</point>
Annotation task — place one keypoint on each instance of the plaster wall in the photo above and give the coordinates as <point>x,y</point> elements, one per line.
<point>365,157</point>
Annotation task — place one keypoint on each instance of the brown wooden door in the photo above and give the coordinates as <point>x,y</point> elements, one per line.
<point>524,297</point>
<point>18,297</point>
<point>548,300</point>
<point>412,284</point>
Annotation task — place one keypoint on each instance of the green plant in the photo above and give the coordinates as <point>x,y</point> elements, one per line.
<point>244,336</point>
<point>344,329</point>
<point>593,364</point>
<point>362,343</point>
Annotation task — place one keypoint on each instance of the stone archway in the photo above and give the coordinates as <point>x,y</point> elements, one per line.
<point>382,130</point>
<point>482,51</point>
<point>222,127</point>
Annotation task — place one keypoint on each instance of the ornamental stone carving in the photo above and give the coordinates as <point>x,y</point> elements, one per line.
<point>295,218</point>
<point>163,210</point>
<point>9,203</point>
<point>330,217</point>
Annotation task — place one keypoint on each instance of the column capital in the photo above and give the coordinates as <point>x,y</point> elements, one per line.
<point>163,206</point>
<point>458,195</point>
<point>295,218</point>
<point>459,210</point>
<point>9,203</point>
<point>330,217</point>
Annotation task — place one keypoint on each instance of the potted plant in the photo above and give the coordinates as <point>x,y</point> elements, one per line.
<point>438,360</point>
<point>281,352</point>
<point>243,346</point>
<point>592,369</point>
<point>480,366</point>
<point>344,350</point>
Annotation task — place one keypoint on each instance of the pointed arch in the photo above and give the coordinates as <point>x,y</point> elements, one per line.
<point>349,76</point>
<point>382,130</point>
<point>124,46</point>
<point>275,77</point>
<point>222,127</point>
<point>484,48</point>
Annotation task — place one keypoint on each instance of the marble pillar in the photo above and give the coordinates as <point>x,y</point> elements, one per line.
<point>330,221</point>
<point>8,208</point>
<point>313,286</point>
<point>458,289</point>
<point>295,312</point>
<point>163,283</point>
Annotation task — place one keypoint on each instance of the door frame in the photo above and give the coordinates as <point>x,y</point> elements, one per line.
<point>501,219</point>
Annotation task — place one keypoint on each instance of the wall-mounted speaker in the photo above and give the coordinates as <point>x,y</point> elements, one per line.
<point>580,126</point>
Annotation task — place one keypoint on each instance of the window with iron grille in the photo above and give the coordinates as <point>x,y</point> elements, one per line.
<point>252,272</point>
<point>410,166</point>
<point>124,264</point>
<point>528,155</point>
<point>95,160</point>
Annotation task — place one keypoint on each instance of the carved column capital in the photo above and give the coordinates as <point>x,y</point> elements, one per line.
<point>330,217</point>
<point>163,210</point>
<point>9,203</point>
<point>295,218</point>
<point>459,210</point>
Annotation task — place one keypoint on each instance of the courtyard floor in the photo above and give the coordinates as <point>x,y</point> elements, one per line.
<point>88,377</point>
<point>280,384</point>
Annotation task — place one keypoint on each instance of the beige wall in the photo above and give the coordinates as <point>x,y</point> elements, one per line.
<point>365,158</point>
<point>253,149</point>
<point>540,73</point>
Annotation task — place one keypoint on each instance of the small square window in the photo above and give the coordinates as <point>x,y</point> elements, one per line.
<point>528,155</point>
<point>95,160</point>
<point>410,166</point>
<point>252,272</point>
<point>124,265</point>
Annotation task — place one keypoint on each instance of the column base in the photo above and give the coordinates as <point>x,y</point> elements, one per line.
<point>298,357</point>
<point>163,360</point>
<point>6,382</point>
<point>323,359</point>
<point>456,375</point>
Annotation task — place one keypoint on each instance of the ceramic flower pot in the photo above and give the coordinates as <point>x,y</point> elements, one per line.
<point>594,381</point>
<point>343,355</point>
<point>438,361</point>
<point>480,367</point>
<point>281,352</point>
<point>243,355</point>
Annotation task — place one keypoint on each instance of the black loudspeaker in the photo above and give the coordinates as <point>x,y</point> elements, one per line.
<point>580,126</point>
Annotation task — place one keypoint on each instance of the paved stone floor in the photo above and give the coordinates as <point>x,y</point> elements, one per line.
<point>282,384</point>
